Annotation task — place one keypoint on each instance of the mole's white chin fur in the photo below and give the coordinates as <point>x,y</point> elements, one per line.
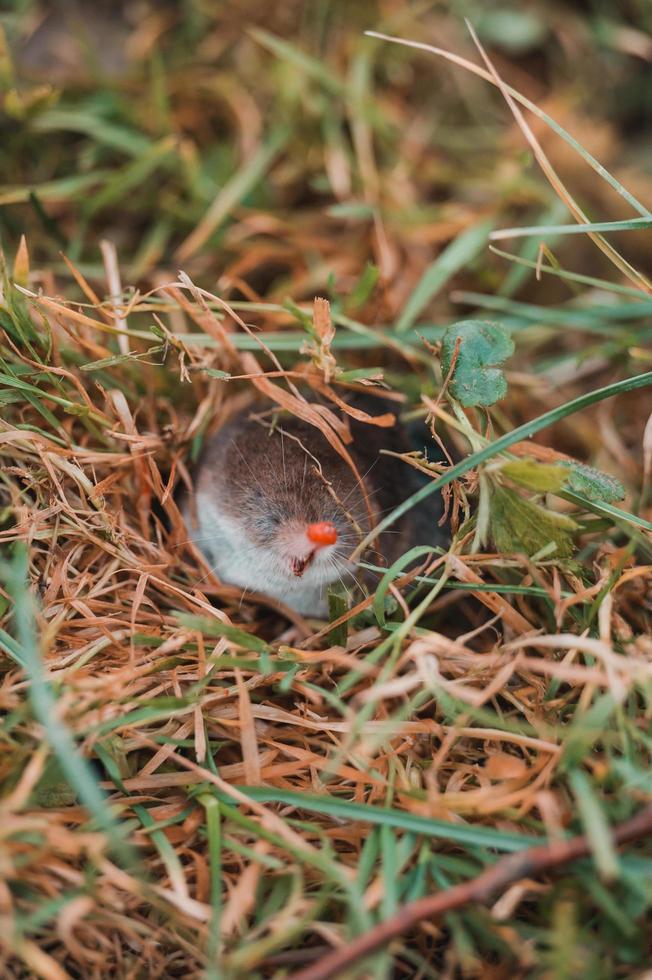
<point>237,561</point>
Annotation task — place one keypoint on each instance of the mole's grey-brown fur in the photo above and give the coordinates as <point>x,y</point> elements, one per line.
<point>257,490</point>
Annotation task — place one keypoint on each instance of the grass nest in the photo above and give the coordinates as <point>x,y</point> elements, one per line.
<point>196,784</point>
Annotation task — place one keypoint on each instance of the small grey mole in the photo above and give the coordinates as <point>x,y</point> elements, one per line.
<point>277,511</point>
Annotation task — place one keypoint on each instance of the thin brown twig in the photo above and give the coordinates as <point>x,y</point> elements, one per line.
<point>525,864</point>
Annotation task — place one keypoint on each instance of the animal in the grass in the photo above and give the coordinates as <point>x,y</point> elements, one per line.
<point>277,511</point>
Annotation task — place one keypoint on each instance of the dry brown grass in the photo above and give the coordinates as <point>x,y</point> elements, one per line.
<point>280,792</point>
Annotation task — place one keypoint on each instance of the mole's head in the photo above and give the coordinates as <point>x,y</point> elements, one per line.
<point>289,509</point>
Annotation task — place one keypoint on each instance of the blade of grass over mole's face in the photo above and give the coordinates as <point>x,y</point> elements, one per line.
<point>454,257</point>
<point>44,705</point>
<point>504,442</point>
<point>483,73</point>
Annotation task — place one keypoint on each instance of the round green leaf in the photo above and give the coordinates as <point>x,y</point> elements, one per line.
<point>483,344</point>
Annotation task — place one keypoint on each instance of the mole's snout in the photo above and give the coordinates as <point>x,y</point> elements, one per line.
<point>322,533</point>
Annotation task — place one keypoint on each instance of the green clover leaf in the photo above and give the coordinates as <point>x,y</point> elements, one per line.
<point>483,344</point>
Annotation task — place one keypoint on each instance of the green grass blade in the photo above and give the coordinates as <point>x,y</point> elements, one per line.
<point>595,824</point>
<point>455,256</point>
<point>313,67</point>
<point>90,124</point>
<point>379,598</point>
<point>533,590</point>
<point>12,648</point>
<point>63,189</point>
<point>379,816</point>
<point>243,180</point>
<point>135,174</point>
<point>632,224</point>
<point>44,705</point>
<point>597,319</point>
<point>390,869</point>
<point>509,439</point>
<point>293,340</point>
<point>214,835</point>
<point>533,107</point>
<point>520,272</point>
<point>604,509</point>
<point>579,277</point>
<point>166,851</point>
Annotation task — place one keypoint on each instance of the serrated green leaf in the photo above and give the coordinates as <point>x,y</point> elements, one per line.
<point>592,483</point>
<point>483,344</point>
<point>533,475</point>
<point>518,524</point>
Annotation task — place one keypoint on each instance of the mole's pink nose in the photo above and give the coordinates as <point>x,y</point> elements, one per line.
<point>322,533</point>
